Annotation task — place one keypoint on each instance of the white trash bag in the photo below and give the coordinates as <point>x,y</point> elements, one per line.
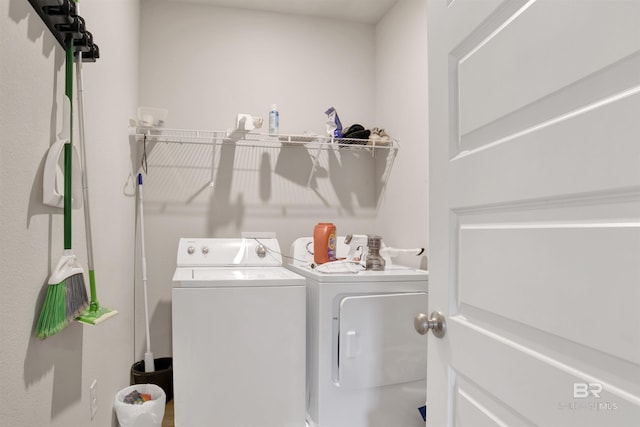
<point>147,414</point>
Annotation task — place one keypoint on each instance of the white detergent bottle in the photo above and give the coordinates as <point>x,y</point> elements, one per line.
<point>274,120</point>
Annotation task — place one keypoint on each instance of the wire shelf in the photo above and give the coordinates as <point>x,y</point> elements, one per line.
<point>252,139</point>
<point>182,163</point>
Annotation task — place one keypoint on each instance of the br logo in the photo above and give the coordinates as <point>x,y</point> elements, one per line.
<point>584,390</point>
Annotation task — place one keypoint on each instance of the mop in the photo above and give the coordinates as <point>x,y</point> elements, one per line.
<point>94,314</point>
<point>149,365</point>
<point>66,292</point>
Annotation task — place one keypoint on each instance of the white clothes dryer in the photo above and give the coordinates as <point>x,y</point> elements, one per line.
<point>238,335</point>
<point>366,365</point>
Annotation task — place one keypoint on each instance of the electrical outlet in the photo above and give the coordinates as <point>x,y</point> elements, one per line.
<point>93,398</point>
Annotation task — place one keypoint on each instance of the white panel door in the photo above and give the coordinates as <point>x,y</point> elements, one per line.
<point>534,218</point>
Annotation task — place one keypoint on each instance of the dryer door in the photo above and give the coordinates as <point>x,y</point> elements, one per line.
<point>377,341</point>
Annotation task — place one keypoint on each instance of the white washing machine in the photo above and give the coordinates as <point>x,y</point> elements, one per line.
<point>366,365</point>
<point>238,335</point>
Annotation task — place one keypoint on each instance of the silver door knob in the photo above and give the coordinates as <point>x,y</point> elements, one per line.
<point>436,323</point>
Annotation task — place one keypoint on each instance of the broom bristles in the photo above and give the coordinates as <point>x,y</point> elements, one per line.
<point>77,299</point>
<point>53,315</point>
<point>63,302</point>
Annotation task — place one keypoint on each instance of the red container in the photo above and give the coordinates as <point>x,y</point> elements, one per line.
<point>324,243</point>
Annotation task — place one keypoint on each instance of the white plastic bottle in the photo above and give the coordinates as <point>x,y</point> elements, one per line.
<point>274,120</point>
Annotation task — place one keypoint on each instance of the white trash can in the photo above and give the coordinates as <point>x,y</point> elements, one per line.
<point>147,414</point>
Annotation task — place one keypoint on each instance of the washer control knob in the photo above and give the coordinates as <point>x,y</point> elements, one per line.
<point>205,250</point>
<point>261,251</point>
<point>191,250</point>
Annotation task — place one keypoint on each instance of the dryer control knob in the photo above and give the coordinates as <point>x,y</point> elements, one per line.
<point>191,250</point>
<point>205,250</point>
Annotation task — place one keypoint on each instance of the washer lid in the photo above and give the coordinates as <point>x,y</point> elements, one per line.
<point>208,277</point>
<point>394,273</point>
<point>301,258</point>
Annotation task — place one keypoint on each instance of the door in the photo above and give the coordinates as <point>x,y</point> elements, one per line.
<point>534,218</point>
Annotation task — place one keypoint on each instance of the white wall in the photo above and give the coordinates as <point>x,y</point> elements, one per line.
<point>401,105</point>
<point>47,382</point>
<point>208,63</point>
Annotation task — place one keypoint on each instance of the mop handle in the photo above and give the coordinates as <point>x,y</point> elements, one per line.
<point>144,261</point>
<point>83,165</point>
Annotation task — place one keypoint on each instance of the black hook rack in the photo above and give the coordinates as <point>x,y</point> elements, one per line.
<point>62,19</point>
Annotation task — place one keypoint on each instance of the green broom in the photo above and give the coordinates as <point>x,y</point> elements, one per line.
<point>66,293</point>
<point>95,314</point>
